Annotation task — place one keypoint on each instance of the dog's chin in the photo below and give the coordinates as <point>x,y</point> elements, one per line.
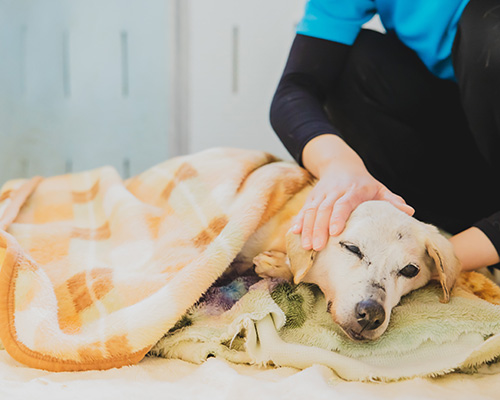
<point>358,335</point>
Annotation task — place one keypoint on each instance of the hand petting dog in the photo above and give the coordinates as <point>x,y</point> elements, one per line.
<point>344,183</point>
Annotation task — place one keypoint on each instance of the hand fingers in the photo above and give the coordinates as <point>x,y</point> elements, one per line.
<point>322,222</point>
<point>397,201</point>
<point>327,215</point>
<point>309,217</point>
<point>297,222</point>
<point>342,211</point>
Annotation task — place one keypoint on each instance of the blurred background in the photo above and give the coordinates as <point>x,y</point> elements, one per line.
<point>130,83</point>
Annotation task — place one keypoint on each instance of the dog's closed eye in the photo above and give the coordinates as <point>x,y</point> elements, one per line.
<point>352,248</point>
<point>409,271</point>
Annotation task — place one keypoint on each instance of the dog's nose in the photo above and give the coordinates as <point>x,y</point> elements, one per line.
<point>369,314</point>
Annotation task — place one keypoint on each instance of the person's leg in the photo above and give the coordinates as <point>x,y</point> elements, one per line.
<point>476,59</point>
<point>410,129</point>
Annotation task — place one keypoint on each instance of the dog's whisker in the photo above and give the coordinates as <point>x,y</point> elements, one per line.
<point>362,330</point>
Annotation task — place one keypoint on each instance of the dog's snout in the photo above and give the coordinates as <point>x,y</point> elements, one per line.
<point>369,314</point>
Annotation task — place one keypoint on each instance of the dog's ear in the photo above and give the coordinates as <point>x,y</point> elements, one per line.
<point>445,261</point>
<point>301,260</point>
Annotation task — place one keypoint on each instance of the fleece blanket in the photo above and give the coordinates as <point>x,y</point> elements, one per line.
<point>95,270</point>
<point>271,322</point>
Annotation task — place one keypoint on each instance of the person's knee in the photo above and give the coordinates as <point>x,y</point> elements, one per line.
<point>383,72</point>
<point>478,41</point>
<point>366,57</point>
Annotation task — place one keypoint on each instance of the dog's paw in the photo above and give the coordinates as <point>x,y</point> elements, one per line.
<point>273,264</point>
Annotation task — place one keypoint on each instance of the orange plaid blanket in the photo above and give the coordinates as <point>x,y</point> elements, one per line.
<point>95,270</point>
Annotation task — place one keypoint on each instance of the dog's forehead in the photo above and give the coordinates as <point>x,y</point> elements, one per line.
<point>379,221</point>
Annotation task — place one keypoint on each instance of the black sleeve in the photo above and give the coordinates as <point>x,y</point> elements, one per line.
<point>313,68</point>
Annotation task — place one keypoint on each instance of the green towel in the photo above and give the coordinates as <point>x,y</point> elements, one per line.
<point>271,322</point>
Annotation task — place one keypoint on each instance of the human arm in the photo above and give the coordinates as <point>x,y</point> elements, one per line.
<point>479,246</point>
<point>474,249</point>
<point>298,117</point>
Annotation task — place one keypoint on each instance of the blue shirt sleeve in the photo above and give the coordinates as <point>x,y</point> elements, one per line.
<point>336,20</point>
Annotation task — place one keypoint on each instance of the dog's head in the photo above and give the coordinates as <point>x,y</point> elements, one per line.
<point>382,255</point>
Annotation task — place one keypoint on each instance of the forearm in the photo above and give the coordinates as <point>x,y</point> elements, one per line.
<point>474,249</point>
<point>325,151</point>
<point>311,75</point>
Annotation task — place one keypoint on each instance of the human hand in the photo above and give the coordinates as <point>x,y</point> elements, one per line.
<point>340,189</point>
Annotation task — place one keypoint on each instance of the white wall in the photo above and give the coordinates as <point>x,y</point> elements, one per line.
<point>83,83</point>
<point>238,50</point>
<point>130,83</point>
